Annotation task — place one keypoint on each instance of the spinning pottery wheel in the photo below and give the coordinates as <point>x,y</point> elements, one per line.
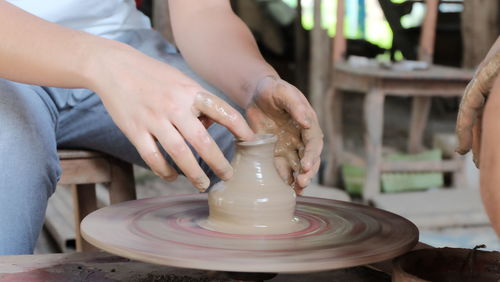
<point>168,231</point>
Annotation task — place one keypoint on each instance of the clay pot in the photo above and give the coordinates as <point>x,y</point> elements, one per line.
<point>255,200</point>
<point>447,264</point>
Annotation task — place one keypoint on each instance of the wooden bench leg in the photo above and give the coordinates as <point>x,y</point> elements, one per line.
<point>374,124</point>
<point>84,202</point>
<point>333,125</point>
<point>122,186</point>
<point>419,115</point>
<point>459,176</point>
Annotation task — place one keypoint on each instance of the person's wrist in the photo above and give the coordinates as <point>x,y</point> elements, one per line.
<point>258,84</point>
<point>98,58</point>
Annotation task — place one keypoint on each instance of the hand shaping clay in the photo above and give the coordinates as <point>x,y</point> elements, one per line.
<point>255,200</point>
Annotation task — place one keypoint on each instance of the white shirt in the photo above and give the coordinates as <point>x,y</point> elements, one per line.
<point>106,18</point>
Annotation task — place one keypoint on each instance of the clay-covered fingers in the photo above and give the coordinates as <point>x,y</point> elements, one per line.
<point>181,154</point>
<point>195,133</point>
<point>291,100</point>
<point>221,112</point>
<point>473,101</point>
<point>304,179</point>
<point>297,106</point>
<point>313,141</point>
<point>284,169</point>
<point>150,153</point>
<point>476,140</point>
<point>471,105</point>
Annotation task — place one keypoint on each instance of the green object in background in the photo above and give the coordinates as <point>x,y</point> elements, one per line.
<point>411,181</point>
<point>354,179</point>
<point>354,176</point>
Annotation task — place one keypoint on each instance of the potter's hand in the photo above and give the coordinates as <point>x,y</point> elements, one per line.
<point>469,121</point>
<point>151,101</point>
<point>281,109</point>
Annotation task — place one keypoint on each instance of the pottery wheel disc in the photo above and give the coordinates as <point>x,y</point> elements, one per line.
<point>166,230</point>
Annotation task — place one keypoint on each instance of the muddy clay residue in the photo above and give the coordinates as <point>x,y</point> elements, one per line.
<point>448,265</point>
<point>152,277</point>
<point>63,272</point>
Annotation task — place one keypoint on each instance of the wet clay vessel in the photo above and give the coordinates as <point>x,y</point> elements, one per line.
<point>255,200</point>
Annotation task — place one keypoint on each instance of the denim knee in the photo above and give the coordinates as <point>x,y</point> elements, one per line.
<point>28,147</point>
<point>29,166</point>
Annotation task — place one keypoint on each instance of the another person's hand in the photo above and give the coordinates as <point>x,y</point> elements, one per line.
<point>281,109</point>
<point>469,121</point>
<point>151,101</point>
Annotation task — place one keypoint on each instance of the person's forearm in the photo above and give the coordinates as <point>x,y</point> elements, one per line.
<point>35,51</point>
<point>219,47</point>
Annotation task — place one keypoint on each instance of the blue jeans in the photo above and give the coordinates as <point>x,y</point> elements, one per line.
<point>35,121</point>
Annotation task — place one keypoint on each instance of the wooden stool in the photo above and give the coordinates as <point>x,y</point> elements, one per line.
<point>83,170</point>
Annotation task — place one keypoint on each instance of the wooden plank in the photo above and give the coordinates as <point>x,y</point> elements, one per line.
<point>434,72</point>
<point>480,28</point>
<point>300,51</point>
<point>420,109</point>
<point>398,87</point>
<point>99,266</point>
<point>428,33</point>
<point>374,122</point>
<point>84,171</point>
<point>92,266</point>
<point>339,41</point>
<point>420,166</point>
<point>122,188</point>
<point>84,202</point>
<point>319,74</point>
<point>78,154</point>
<point>422,105</point>
<point>424,88</point>
<point>59,219</point>
<point>334,136</point>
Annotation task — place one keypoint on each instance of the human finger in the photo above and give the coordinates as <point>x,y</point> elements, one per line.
<point>293,160</point>
<point>470,106</point>
<point>473,101</point>
<point>294,103</point>
<point>313,141</point>
<point>149,152</point>
<point>196,134</point>
<point>259,122</point>
<point>176,147</point>
<point>222,113</point>
<point>476,140</point>
<point>303,180</point>
<point>284,170</point>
